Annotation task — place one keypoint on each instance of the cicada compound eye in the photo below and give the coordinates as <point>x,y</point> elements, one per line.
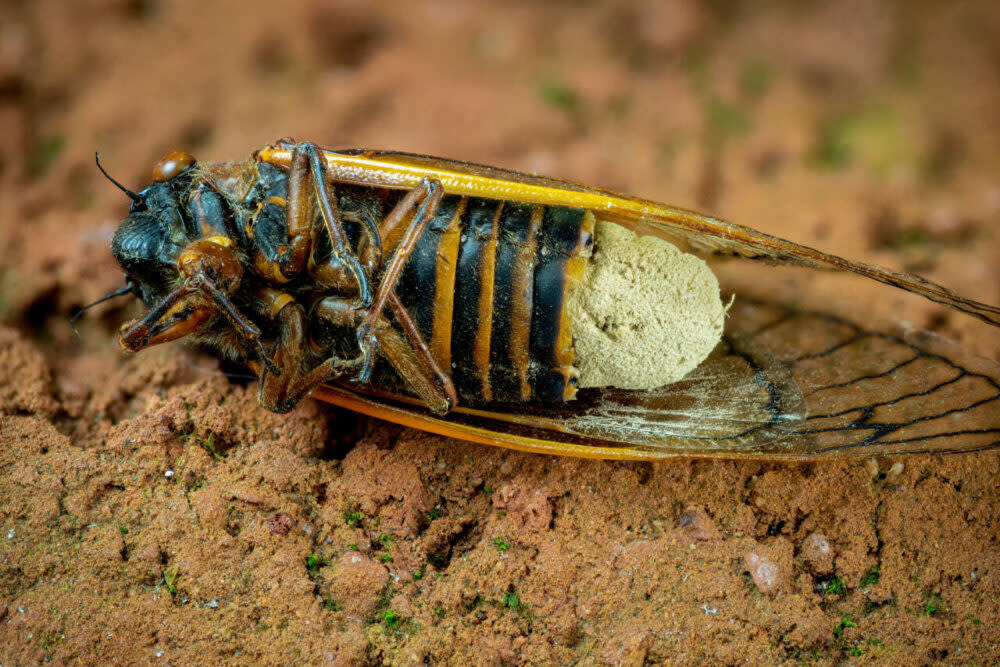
<point>172,165</point>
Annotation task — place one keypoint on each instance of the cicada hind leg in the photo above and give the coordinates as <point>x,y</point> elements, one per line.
<point>364,309</point>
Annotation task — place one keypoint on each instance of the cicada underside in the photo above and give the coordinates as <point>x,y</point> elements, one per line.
<point>433,293</point>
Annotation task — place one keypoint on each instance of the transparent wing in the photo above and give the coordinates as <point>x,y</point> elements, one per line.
<point>782,385</point>
<point>879,393</point>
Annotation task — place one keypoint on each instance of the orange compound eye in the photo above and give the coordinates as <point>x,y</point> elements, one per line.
<point>172,165</point>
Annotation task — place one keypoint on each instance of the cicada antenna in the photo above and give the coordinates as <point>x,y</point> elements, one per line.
<point>133,196</point>
<point>122,292</point>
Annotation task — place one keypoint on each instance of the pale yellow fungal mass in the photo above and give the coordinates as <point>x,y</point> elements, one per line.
<point>645,314</point>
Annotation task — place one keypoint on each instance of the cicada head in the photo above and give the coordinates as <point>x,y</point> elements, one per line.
<point>148,242</point>
<point>183,276</point>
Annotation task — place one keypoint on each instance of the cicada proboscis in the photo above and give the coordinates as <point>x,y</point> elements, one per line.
<point>432,293</point>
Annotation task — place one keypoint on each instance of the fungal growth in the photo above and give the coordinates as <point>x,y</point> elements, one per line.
<point>645,314</point>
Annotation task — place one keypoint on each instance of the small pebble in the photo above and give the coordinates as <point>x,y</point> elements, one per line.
<point>764,570</point>
<point>280,524</point>
<point>697,525</point>
<point>818,554</point>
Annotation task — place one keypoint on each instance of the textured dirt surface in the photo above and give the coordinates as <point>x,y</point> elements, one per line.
<point>151,512</point>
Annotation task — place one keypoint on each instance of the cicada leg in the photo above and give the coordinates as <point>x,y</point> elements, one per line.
<point>281,390</point>
<point>429,194</point>
<point>309,188</point>
<point>409,354</point>
<point>421,352</point>
<point>398,349</point>
<point>196,300</point>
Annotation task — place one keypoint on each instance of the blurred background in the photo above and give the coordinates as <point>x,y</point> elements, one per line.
<point>864,128</point>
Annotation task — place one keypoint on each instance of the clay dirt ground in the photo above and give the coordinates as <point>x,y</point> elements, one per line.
<point>151,512</point>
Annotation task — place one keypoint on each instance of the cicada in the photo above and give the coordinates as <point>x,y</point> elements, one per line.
<point>431,293</point>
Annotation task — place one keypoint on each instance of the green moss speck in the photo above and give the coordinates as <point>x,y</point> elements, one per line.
<point>353,517</point>
<point>48,151</point>
<point>835,586</point>
<point>559,95</point>
<point>870,577</point>
<point>933,605</point>
<point>845,622</point>
<point>755,78</point>
<point>170,579</point>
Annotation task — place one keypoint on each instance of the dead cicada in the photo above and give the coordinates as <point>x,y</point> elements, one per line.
<point>446,296</point>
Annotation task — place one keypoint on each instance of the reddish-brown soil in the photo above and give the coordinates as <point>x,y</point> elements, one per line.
<point>150,511</point>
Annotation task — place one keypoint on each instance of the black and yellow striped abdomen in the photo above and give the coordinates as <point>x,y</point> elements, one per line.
<point>487,287</point>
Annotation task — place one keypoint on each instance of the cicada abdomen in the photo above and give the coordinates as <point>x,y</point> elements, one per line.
<point>487,286</point>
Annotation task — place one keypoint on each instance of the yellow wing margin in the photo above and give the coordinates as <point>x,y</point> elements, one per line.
<point>685,228</point>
